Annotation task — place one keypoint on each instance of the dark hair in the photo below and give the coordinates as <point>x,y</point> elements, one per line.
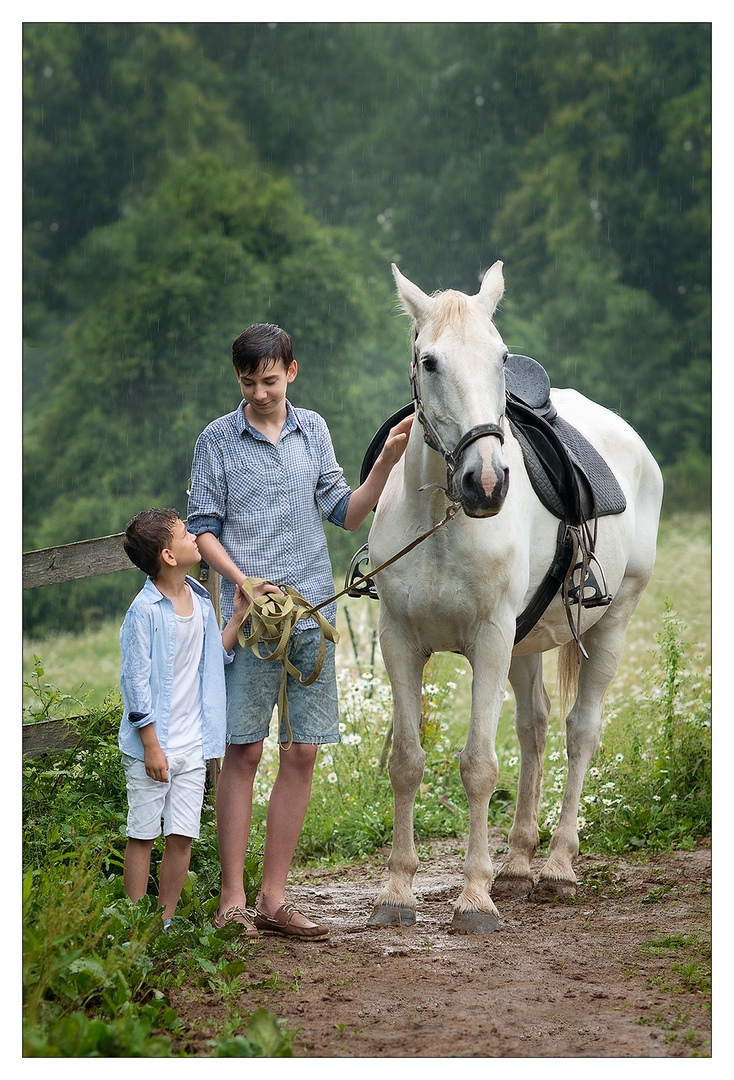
<point>262,341</point>
<point>147,535</point>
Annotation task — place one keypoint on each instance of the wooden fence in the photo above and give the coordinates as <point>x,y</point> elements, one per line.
<point>70,562</point>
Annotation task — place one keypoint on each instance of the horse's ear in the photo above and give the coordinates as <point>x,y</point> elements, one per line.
<point>492,288</point>
<point>415,302</point>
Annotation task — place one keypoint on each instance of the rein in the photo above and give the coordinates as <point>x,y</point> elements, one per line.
<point>274,619</point>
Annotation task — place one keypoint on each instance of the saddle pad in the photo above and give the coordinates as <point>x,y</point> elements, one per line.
<point>568,475</point>
<point>608,495</point>
<point>598,489</point>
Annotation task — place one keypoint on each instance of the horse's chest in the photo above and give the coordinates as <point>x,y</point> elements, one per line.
<point>437,612</point>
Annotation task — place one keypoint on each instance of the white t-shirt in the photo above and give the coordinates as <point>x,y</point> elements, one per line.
<point>184,725</point>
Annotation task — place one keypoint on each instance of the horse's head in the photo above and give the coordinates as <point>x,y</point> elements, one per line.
<point>457,374</point>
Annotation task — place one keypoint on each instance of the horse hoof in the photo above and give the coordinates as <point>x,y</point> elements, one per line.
<point>392,915</point>
<point>550,889</point>
<point>474,922</point>
<point>510,888</point>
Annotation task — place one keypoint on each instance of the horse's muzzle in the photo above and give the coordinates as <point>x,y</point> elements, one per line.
<point>470,488</point>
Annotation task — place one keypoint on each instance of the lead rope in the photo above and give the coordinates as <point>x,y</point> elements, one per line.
<point>274,619</point>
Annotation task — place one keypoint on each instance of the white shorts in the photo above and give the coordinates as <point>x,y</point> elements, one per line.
<point>177,802</point>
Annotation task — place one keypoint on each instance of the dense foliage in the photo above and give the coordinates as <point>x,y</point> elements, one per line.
<point>182,181</point>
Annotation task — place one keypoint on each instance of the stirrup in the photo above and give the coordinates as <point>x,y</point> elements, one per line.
<point>357,582</point>
<point>590,592</point>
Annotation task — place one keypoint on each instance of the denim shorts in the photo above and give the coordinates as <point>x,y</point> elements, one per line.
<point>177,802</point>
<point>252,694</point>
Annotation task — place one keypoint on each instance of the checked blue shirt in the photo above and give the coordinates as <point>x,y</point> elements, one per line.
<point>266,503</point>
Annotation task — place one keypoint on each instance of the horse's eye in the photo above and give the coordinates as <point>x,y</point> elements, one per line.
<point>504,358</point>
<point>429,363</point>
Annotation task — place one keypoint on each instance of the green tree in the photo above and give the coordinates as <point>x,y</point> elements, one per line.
<point>147,364</point>
<point>106,106</point>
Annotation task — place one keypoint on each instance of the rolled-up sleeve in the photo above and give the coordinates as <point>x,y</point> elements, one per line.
<point>207,503</point>
<point>135,681</point>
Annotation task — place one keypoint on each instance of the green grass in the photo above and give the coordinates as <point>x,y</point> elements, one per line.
<point>89,663</point>
<point>351,808</point>
<point>80,665</point>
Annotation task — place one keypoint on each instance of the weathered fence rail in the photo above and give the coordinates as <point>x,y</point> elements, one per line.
<point>71,562</point>
<point>49,736</point>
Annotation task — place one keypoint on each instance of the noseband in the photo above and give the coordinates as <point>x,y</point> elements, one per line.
<point>433,438</point>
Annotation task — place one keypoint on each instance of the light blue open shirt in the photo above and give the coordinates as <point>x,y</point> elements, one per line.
<point>148,642</point>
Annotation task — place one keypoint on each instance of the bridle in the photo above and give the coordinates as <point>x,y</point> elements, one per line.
<point>433,438</point>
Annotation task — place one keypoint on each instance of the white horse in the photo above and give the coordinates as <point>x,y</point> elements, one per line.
<point>462,589</point>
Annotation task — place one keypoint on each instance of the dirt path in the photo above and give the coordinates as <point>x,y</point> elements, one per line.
<point>619,972</point>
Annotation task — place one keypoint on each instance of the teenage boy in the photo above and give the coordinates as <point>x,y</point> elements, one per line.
<point>263,478</point>
<point>173,692</point>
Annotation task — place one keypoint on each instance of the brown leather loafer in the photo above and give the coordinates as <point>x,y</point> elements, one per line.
<point>281,923</point>
<point>237,916</point>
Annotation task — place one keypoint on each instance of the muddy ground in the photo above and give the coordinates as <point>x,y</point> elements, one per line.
<point>621,971</point>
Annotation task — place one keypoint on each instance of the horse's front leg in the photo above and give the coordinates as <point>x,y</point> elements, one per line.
<point>396,903</point>
<point>532,706</point>
<point>474,910</point>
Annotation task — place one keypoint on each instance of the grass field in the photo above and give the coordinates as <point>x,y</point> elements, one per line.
<point>89,663</point>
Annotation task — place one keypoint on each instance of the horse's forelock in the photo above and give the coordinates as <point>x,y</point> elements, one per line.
<point>451,309</point>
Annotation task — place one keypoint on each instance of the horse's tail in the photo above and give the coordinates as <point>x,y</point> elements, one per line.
<point>568,675</point>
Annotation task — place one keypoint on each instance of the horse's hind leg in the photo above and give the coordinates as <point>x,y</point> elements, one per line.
<point>604,643</point>
<point>532,706</point>
<point>395,904</point>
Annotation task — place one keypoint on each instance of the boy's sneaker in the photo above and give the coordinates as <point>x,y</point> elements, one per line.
<point>236,916</point>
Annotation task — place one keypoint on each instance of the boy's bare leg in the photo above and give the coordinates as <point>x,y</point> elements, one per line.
<point>286,812</point>
<point>174,867</point>
<point>234,815</point>
<point>136,870</point>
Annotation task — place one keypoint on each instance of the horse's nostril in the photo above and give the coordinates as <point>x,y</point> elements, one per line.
<point>471,484</point>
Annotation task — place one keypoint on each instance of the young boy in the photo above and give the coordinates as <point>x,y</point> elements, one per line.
<point>173,692</point>
<point>263,477</point>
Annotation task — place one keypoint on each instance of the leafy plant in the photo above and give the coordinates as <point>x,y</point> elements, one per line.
<point>649,786</point>
<point>96,967</point>
<point>86,966</point>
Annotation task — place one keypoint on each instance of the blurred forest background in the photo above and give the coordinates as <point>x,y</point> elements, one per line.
<point>184,181</point>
